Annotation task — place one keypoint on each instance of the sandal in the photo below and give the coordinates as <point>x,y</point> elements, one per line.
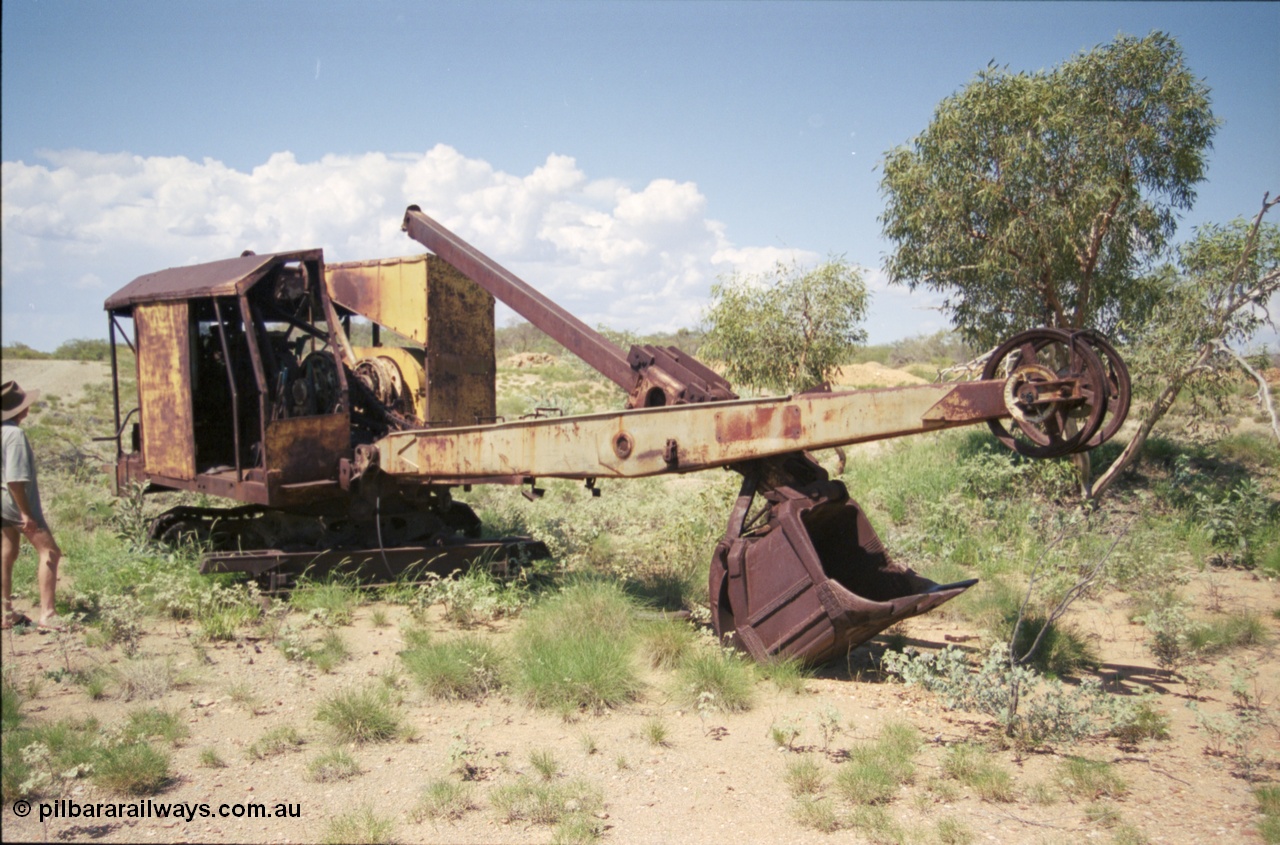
<point>52,625</point>
<point>13,618</point>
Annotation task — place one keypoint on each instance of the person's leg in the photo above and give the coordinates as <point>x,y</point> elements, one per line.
<point>47,574</point>
<point>8,555</point>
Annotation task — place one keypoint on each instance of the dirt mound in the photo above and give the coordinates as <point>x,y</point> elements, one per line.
<point>64,380</point>
<point>529,359</point>
<point>873,374</point>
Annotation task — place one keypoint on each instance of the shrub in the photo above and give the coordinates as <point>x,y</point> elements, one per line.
<point>134,768</point>
<point>444,799</point>
<point>460,668</point>
<point>361,715</point>
<point>359,827</point>
<point>576,650</point>
<point>334,764</point>
<point>876,770</point>
<point>719,677</point>
<point>972,765</point>
<point>276,741</point>
<point>1089,779</point>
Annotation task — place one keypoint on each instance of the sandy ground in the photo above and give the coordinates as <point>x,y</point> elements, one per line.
<point>717,779</point>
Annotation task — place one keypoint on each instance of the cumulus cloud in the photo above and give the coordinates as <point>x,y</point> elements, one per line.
<point>78,224</point>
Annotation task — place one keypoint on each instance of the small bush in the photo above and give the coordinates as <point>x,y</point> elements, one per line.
<point>667,642</point>
<point>545,803</point>
<point>544,763</point>
<point>576,651</point>
<point>876,770</point>
<point>334,764</point>
<point>804,776</point>
<point>359,827</point>
<point>444,799</point>
<point>655,732</point>
<point>361,715</point>
<point>276,741</point>
<point>1089,779</point>
<point>154,723</point>
<point>1228,631</point>
<point>134,768</point>
<point>817,813</point>
<point>721,677</point>
<point>460,668</point>
<point>972,765</point>
<point>211,759</point>
<point>145,679</point>
<point>331,602</point>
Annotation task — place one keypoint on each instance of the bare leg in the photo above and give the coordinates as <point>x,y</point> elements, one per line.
<point>8,555</point>
<point>47,573</point>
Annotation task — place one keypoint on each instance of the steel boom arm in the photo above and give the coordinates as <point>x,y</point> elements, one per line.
<point>681,438</point>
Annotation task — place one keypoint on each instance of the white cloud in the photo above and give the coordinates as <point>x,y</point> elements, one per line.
<point>80,224</point>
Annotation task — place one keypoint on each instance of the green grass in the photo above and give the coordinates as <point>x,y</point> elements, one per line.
<point>135,768</point>
<point>576,650</point>
<point>656,732</point>
<point>211,759</point>
<point>544,762</point>
<point>154,723</point>
<point>804,776</point>
<point>361,715</point>
<point>1089,780</point>
<point>666,641</point>
<point>817,813</point>
<point>876,770</point>
<point>711,678</point>
<point>1269,804</point>
<point>1228,631</point>
<point>334,764</point>
<point>462,668</point>
<point>972,765</point>
<point>359,827</point>
<point>332,601</point>
<point>278,740</point>
<point>444,799</point>
<point>545,803</point>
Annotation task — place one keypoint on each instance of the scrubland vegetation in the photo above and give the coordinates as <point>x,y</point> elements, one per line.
<point>611,632</point>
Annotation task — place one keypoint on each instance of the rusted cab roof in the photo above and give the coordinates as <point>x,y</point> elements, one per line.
<point>228,277</point>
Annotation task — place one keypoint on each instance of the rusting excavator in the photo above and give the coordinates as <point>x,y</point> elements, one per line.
<point>249,388</point>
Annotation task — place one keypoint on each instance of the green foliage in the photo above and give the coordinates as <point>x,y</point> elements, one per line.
<point>1269,805</point>
<point>331,602</point>
<point>458,668</point>
<point>804,776</point>
<point>1030,199</point>
<point>444,799</point>
<point>576,650</point>
<point>278,740</point>
<point>972,765</point>
<point>546,803</point>
<point>334,764</point>
<point>1089,779</point>
<point>134,768</point>
<point>716,679</point>
<point>359,827</point>
<point>876,770</point>
<point>1033,710</point>
<point>788,330</point>
<point>473,597</point>
<point>361,715</point>
<point>154,723</point>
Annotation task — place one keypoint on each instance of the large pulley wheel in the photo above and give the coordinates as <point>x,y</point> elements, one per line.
<point>1057,391</point>
<point>1119,387</point>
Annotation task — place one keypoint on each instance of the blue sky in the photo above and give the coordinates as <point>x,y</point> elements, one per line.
<point>620,156</point>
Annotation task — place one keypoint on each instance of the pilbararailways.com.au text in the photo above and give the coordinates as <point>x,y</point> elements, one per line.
<point>66,808</point>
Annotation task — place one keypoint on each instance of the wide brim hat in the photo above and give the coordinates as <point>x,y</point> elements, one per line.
<point>15,400</point>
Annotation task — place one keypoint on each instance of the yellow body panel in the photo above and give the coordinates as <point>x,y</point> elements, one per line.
<point>164,389</point>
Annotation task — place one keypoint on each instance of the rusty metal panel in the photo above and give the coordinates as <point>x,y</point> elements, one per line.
<point>391,292</point>
<point>164,389</point>
<point>307,448</point>
<point>216,278</point>
<point>461,371</point>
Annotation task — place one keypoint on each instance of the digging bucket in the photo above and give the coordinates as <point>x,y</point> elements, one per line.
<point>814,580</point>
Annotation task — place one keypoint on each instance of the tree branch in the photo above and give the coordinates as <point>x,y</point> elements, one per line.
<point>1264,390</point>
